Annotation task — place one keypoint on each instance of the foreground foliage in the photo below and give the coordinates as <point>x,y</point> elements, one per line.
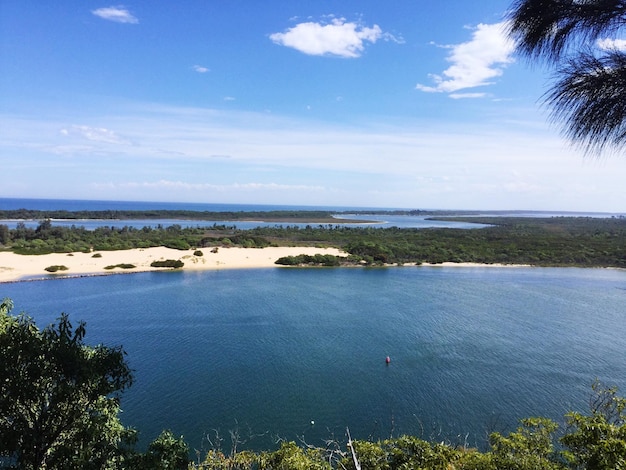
<point>597,442</point>
<point>60,401</point>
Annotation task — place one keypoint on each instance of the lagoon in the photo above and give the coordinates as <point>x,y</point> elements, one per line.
<point>268,351</point>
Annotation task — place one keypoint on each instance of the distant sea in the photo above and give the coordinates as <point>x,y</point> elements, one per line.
<point>87,205</point>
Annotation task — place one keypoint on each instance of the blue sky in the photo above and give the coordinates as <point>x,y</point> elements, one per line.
<point>409,103</point>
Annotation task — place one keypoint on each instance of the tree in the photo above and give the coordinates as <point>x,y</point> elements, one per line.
<point>530,447</point>
<point>5,237</point>
<point>59,398</point>
<point>579,37</point>
<point>166,452</point>
<point>598,441</point>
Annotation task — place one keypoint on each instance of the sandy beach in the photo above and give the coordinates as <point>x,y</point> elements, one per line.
<point>15,267</point>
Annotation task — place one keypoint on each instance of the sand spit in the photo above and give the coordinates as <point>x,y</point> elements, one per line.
<point>15,267</point>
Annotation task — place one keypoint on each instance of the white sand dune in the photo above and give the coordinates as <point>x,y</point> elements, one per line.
<point>15,267</point>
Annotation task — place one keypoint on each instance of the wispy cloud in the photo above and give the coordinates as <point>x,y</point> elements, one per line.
<point>94,134</point>
<point>474,63</point>
<point>460,96</point>
<point>183,185</point>
<point>200,69</point>
<point>610,44</point>
<point>338,38</point>
<point>195,154</point>
<point>118,13</point>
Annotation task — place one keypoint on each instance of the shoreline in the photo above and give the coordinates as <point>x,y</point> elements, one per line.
<point>26,268</point>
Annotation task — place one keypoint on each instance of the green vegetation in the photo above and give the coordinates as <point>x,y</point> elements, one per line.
<point>60,404</point>
<point>308,260</point>
<point>56,267</point>
<point>60,401</point>
<point>121,266</point>
<point>557,241</point>
<point>198,253</point>
<point>168,263</point>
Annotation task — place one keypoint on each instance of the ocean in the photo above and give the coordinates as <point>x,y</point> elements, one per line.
<point>95,205</point>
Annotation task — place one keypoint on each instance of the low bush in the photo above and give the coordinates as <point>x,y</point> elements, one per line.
<point>168,263</point>
<point>56,267</point>
<point>308,260</point>
<point>176,244</point>
<point>121,266</point>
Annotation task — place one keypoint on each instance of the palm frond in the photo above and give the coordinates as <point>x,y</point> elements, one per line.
<point>549,28</point>
<point>590,99</point>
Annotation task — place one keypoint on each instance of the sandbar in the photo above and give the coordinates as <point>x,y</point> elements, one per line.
<point>15,268</point>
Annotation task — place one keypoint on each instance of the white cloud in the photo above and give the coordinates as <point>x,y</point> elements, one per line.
<point>94,134</point>
<point>338,38</point>
<point>612,44</point>
<point>119,14</point>
<point>474,63</point>
<point>200,69</point>
<point>458,96</point>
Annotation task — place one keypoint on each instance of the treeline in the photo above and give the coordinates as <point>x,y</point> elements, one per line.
<point>47,238</point>
<point>558,241</point>
<point>282,215</point>
<point>285,215</point>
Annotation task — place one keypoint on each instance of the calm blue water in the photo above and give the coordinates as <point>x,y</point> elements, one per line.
<point>472,350</point>
<point>384,221</point>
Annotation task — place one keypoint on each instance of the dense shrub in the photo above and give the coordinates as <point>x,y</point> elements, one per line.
<point>56,267</point>
<point>308,260</point>
<point>121,265</point>
<point>168,263</point>
<point>177,244</point>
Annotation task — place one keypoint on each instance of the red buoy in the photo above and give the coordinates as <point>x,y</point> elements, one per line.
<point>388,360</point>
